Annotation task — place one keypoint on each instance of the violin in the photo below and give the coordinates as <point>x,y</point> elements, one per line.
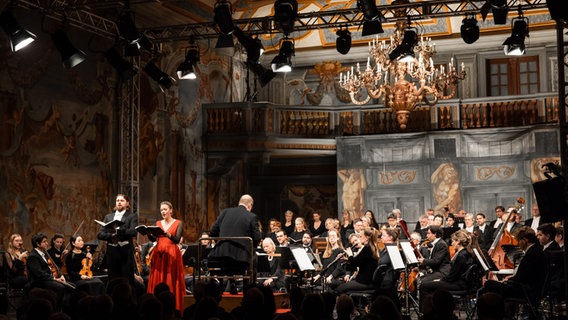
<point>53,267</point>
<point>87,263</point>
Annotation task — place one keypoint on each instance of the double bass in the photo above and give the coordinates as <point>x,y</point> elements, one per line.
<point>504,237</point>
<point>413,274</point>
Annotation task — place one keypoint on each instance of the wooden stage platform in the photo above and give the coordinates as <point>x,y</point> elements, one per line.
<point>230,301</point>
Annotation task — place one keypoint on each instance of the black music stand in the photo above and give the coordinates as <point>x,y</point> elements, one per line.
<point>410,260</point>
<point>285,257</point>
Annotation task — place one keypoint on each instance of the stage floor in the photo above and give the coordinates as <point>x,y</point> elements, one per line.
<point>230,301</point>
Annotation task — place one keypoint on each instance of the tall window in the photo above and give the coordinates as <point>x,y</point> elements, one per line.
<point>512,76</point>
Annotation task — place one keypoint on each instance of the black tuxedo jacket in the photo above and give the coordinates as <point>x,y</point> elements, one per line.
<point>459,264</point>
<point>529,221</point>
<point>125,232</point>
<point>532,269</point>
<point>38,269</point>
<point>439,258</point>
<point>484,238</point>
<point>235,222</point>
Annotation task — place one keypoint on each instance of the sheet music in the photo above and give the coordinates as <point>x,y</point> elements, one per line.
<point>395,257</point>
<point>302,259</point>
<point>480,260</point>
<point>408,251</point>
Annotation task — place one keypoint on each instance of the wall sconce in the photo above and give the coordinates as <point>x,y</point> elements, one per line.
<point>283,61</point>
<point>163,79</point>
<point>125,69</point>
<point>70,56</point>
<point>19,37</point>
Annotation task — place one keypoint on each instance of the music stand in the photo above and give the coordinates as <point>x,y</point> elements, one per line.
<point>190,255</point>
<point>410,259</point>
<point>395,257</point>
<point>302,259</point>
<point>262,264</point>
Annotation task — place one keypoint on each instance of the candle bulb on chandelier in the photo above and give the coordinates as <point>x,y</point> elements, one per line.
<point>463,67</point>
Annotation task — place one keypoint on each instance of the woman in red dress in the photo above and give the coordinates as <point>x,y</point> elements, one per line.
<point>166,264</point>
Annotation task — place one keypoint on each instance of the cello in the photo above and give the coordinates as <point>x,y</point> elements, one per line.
<point>413,274</point>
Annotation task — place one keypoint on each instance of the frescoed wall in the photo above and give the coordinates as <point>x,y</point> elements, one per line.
<point>448,171</point>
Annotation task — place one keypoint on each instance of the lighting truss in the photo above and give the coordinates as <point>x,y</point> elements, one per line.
<point>81,14</point>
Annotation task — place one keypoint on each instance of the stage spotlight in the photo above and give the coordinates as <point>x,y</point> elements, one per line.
<point>343,42</point>
<point>224,16</point>
<point>253,46</point>
<point>19,37</point>
<point>163,79</point>
<point>283,61</point>
<point>372,17</point>
<point>135,39</point>
<point>224,41</point>
<point>405,51</point>
<point>186,69</point>
<point>125,69</point>
<point>285,14</point>
<point>556,10</point>
<point>264,75</point>
<point>515,44</point>
<point>70,56</point>
<point>469,30</point>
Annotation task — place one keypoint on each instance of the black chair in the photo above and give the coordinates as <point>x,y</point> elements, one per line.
<point>530,305</point>
<point>465,299</point>
<point>362,298</point>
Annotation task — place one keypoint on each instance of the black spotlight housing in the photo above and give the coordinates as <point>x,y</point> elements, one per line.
<point>19,37</point>
<point>283,61</point>
<point>500,9</point>
<point>343,42</point>
<point>135,40</point>
<point>406,48</point>
<point>556,10</point>
<point>263,74</point>
<point>125,69</point>
<point>70,56</point>
<point>469,30</point>
<point>515,44</point>
<point>372,17</point>
<point>285,14</point>
<point>163,79</point>
<point>224,17</point>
<point>186,69</point>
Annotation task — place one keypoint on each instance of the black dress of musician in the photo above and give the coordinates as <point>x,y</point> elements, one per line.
<point>275,277</point>
<point>333,267</point>
<point>366,260</point>
<point>78,263</point>
<point>461,261</point>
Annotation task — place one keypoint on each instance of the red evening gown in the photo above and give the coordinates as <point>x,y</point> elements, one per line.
<point>167,266</point>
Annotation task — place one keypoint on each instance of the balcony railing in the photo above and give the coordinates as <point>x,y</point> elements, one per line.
<point>265,119</point>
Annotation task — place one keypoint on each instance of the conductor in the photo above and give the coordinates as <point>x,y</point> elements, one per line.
<point>234,255</point>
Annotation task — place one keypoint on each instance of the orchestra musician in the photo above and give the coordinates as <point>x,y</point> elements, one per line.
<point>79,263</point>
<point>56,250</point>
<point>461,261</point>
<point>42,271</point>
<point>530,273</point>
<point>15,258</point>
<point>366,260</point>
<point>275,278</point>
<point>483,231</point>
<point>299,229</point>
<point>390,276</point>
<point>437,263</point>
<point>333,269</point>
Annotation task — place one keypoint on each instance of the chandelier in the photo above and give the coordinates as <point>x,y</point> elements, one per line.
<point>402,74</point>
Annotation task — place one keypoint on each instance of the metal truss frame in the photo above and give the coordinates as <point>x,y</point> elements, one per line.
<point>79,13</point>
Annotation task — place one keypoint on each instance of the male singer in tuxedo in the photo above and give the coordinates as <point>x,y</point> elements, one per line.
<point>39,271</point>
<point>239,221</point>
<point>439,261</point>
<point>120,248</point>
